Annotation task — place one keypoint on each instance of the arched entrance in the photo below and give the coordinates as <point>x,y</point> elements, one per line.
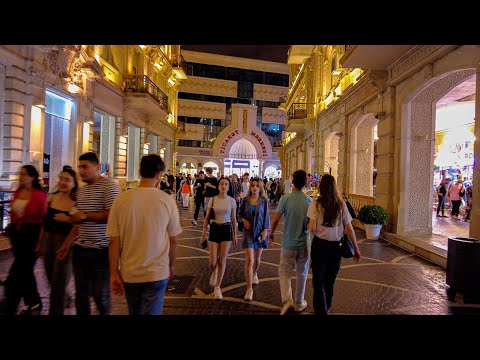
<point>419,150</point>
<point>242,158</point>
<point>362,155</point>
<point>213,165</point>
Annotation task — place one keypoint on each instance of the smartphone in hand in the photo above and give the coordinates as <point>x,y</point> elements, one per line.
<point>204,244</point>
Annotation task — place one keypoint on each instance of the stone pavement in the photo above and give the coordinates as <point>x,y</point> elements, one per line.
<point>388,280</point>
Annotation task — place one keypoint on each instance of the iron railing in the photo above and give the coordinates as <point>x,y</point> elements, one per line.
<point>300,111</point>
<point>143,84</point>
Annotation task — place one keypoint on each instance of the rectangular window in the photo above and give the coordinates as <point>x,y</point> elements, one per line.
<point>58,105</point>
<point>104,139</point>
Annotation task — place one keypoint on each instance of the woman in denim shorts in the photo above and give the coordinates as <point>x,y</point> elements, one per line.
<point>223,230</point>
<point>253,213</point>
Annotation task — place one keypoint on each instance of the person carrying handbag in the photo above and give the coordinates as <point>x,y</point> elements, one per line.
<point>326,218</point>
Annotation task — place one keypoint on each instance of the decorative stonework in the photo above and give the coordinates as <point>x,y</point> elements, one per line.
<point>428,71</point>
<point>193,132</point>
<point>200,85</point>
<point>37,77</point>
<point>419,169</point>
<point>363,182</point>
<point>201,109</point>
<point>273,116</point>
<point>414,58</point>
<point>269,92</point>
<point>378,78</point>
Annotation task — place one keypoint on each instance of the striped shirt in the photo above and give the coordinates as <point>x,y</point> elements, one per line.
<point>235,189</point>
<point>94,198</point>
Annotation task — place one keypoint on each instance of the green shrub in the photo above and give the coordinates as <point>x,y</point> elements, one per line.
<point>373,214</point>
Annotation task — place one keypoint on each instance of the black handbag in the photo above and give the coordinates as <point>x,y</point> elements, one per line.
<point>347,250</point>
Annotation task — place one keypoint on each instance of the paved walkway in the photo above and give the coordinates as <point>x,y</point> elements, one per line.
<point>388,280</point>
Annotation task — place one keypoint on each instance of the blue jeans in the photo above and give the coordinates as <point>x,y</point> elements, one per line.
<point>145,298</point>
<point>92,276</point>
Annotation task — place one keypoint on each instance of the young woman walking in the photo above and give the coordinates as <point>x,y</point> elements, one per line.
<point>253,213</point>
<point>223,230</point>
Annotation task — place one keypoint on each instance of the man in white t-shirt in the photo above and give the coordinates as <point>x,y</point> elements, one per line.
<point>143,227</point>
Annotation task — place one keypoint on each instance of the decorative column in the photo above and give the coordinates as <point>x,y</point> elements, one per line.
<point>385,195</point>
<point>475,213</point>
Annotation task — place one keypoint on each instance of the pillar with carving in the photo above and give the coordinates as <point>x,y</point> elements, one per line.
<point>475,213</point>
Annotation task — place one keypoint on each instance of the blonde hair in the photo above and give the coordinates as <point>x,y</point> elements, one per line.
<point>260,186</point>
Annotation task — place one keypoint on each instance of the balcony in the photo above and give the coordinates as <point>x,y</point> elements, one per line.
<point>297,117</point>
<point>144,95</point>
<point>375,57</point>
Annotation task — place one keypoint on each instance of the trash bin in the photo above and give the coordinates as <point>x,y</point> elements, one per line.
<point>463,267</point>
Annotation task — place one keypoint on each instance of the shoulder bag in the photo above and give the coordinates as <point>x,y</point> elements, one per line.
<point>347,249</point>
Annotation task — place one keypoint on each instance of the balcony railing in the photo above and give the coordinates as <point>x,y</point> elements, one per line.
<point>359,201</point>
<point>300,111</point>
<point>143,84</point>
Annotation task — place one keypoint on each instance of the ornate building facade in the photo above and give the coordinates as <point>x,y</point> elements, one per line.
<point>229,116</point>
<point>369,115</point>
<point>57,102</point>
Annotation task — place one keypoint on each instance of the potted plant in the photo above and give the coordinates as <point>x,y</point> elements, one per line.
<point>373,217</point>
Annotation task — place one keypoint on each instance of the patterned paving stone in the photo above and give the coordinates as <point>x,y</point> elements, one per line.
<point>389,280</point>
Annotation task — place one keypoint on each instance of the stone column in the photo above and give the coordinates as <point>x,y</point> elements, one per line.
<point>475,213</point>
<point>385,196</point>
<point>13,124</point>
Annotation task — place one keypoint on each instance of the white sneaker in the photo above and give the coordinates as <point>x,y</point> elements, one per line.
<point>255,280</point>
<point>213,278</point>
<point>217,293</point>
<point>288,304</point>
<point>249,294</point>
<point>299,307</point>
<point>194,222</point>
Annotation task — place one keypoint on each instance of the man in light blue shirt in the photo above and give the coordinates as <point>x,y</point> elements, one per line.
<point>294,253</point>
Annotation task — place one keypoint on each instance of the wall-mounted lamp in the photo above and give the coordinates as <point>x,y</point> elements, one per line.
<point>90,122</point>
<point>40,103</point>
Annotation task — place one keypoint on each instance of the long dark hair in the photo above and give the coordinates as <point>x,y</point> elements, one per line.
<point>329,200</point>
<point>32,172</point>
<point>68,169</point>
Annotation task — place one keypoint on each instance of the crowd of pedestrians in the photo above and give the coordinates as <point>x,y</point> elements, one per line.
<point>125,243</point>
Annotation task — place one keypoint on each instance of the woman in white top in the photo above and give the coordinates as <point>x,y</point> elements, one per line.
<point>223,230</point>
<point>328,219</point>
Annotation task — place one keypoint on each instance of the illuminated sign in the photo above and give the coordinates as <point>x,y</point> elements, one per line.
<point>241,164</point>
<point>260,141</point>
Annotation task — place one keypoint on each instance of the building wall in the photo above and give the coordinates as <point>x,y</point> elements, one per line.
<point>100,72</point>
<point>400,101</point>
<point>218,110</point>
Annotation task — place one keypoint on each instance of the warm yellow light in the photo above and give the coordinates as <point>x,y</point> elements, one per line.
<point>143,46</point>
<point>123,139</point>
<point>329,99</point>
<point>296,78</point>
<point>159,65</point>
<point>171,81</point>
<point>35,129</point>
<point>90,122</point>
<point>338,90</point>
<point>336,72</point>
<point>86,137</point>
<point>97,57</point>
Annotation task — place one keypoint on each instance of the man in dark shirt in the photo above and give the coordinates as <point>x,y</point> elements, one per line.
<point>210,188</point>
<point>171,180</point>
<point>441,193</point>
<point>198,188</point>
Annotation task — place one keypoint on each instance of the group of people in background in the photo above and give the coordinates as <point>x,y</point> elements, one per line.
<point>456,193</point>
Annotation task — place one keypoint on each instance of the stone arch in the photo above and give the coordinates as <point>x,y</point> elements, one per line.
<point>187,160</point>
<point>229,135</point>
<point>215,161</point>
<point>332,148</point>
<point>361,154</point>
<point>418,113</point>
